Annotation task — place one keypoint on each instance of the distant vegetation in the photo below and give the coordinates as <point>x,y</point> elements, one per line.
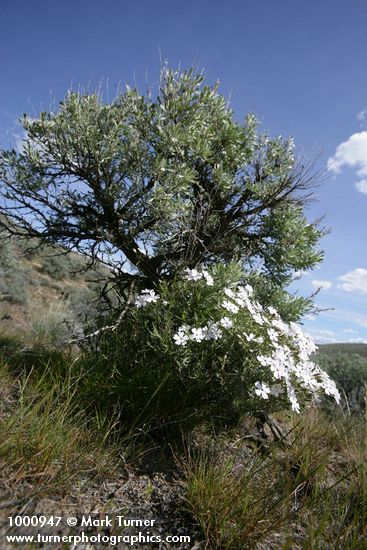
<point>347,365</point>
<point>330,349</point>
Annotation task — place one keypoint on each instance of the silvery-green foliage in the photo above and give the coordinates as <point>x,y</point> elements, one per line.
<point>161,181</point>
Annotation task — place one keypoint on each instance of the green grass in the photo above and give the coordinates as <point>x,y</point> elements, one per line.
<point>44,433</point>
<point>308,495</point>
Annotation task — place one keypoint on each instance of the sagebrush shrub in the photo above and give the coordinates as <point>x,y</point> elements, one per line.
<point>14,277</point>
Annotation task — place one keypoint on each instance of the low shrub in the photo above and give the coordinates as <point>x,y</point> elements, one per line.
<point>14,277</point>
<point>58,264</point>
<point>202,346</point>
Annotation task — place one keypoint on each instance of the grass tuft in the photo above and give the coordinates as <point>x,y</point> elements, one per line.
<point>307,495</point>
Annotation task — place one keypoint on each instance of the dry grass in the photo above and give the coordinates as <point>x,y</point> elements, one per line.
<point>44,436</point>
<point>308,494</point>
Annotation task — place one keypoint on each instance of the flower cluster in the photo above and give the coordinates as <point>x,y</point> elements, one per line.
<point>146,297</point>
<point>185,333</point>
<point>195,275</point>
<point>280,351</point>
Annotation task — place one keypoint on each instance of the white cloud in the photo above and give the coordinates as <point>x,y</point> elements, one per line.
<point>299,274</point>
<point>361,186</point>
<point>357,341</point>
<point>350,331</point>
<point>322,336</point>
<point>353,154</point>
<point>324,285</point>
<point>325,340</point>
<point>354,281</point>
<point>310,317</point>
<point>362,115</point>
<point>322,332</point>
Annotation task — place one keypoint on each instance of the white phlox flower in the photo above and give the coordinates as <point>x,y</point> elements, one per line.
<point>182,337</point>
<point>292,397</point>
<point>280,325</point>
<point>150,295</point>
<point>145,297</point>
<point>228,292</point>
<point>249,289</point>
<point>198,334</point>
<point>273,335</point>
<point>258,319</point>
<point>243,296</point>
<point>329,386</point>
<point>258,307</point>
<point>262,390</point>
<point>209,279</point>
<point>264,360</point>
<point>279,370</point>
<point>230,306</point>
<point>213,332</point>
<point>240,301</point>
<point>252,338</point>
<point>195,275</point>
<point>192,274</point>
<point>140,301</point>
<point>226,322</point>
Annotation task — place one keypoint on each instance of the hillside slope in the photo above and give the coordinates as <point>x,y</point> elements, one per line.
<point>360,349</point>
<point>44,283</point>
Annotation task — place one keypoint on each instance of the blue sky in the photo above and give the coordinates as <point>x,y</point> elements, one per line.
<point>299,66</point>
